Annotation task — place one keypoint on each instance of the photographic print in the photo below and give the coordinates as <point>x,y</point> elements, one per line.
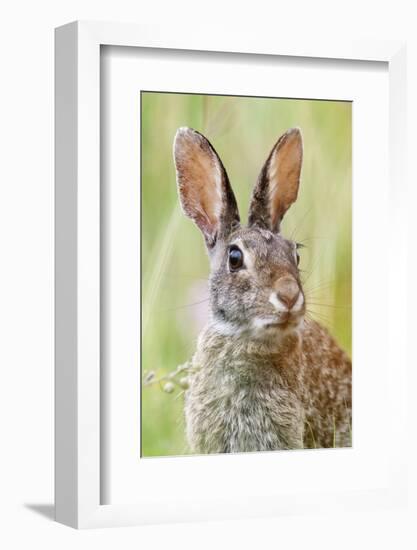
<point>246,262</point>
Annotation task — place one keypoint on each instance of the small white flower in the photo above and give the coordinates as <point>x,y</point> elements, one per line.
<point>168,387</point>
<point>183,382</point>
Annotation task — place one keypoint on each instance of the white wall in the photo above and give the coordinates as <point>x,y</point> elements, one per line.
<point>26,273</point>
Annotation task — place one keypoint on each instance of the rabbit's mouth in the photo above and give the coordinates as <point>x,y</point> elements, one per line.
<point>283,324</point>
<point>279,324</point>
<point>285,321</point>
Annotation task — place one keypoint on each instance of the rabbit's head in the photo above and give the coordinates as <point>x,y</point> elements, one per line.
<point>255,286</point>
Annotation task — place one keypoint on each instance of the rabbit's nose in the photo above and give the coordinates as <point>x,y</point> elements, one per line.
<point>288,291</point>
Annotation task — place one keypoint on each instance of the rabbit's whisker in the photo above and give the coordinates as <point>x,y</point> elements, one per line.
<point>322,285</point>
<point>314,315</point>
<point>308,239</point>
<point>329,305</point>
<point>185,276</point>
<point>184,306</point>
<point>300,223</point>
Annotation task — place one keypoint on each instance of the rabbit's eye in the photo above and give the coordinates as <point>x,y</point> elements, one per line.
<point>296,254</point>
<point>297,257</point>
<point>235,258</point>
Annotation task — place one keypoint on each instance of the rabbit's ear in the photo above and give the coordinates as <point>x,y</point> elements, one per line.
<point>278,182</point>
<point>203,186</point>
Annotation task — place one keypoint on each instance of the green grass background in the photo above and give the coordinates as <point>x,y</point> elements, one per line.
<point>174,261</point>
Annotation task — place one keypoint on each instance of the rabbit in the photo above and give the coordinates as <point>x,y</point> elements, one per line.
<point>263,376</point>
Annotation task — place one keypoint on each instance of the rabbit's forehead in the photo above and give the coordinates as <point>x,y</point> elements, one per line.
<point>263,246</point>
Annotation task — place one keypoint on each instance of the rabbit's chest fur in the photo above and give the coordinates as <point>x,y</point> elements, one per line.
<point>242,398</point>
<point>246,396</point>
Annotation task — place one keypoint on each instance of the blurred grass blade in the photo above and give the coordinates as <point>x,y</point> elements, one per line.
<point>164,246</point>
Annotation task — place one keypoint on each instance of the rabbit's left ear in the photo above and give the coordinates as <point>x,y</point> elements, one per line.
<point>204,189</point>
<point>278,182</point>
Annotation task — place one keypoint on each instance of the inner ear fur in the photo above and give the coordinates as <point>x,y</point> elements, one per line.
<point>278,182</point>
<point>204,189</point>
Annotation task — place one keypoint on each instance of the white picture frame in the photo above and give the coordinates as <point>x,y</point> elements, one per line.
<point>78,410</point>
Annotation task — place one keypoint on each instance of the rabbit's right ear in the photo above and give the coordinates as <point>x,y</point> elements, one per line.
<point>277,186</point>
<point>203,186</point>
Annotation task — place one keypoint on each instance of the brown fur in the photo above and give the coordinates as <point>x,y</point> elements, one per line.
<point>247,396</point>
<point>263,377</point>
